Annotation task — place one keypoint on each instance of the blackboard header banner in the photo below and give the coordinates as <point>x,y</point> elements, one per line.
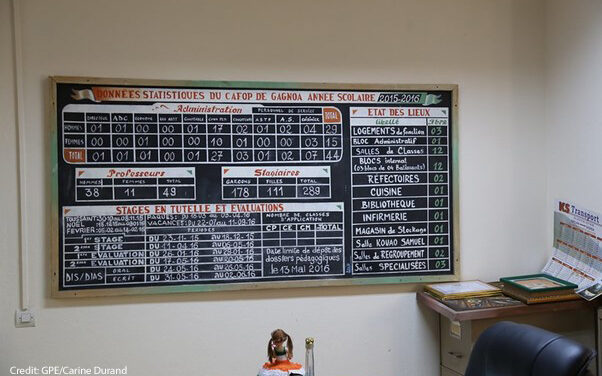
<point>99,94</point>
<point>180,186</point>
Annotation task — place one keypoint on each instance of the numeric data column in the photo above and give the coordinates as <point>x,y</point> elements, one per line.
<point>439,193</point>
<point>219,138</point>
<point>146,137</point>
<point>242,138</point>
<point>264,138</point>
<point>122,137</point>
<point>195,138</point>
<point>287,137</point>
<point>98,137</point>
<point>170,137</point>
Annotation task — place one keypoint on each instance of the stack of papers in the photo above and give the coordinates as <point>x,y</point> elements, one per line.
<point>461,290</point>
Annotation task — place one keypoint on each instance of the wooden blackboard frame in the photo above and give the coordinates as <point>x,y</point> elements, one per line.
<point>54,240</point>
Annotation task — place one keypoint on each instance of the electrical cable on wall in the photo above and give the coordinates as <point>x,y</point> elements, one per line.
<point>22,189</point>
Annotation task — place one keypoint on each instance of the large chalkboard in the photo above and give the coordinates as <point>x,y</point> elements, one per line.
<point>169,186</point>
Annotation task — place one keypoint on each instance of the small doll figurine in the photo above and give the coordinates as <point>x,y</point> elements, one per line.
<point>280,353</point>
<point>276,348</point>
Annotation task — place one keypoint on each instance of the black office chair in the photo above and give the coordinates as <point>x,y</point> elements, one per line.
<point>511,349</point>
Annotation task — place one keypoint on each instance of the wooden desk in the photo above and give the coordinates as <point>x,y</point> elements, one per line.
<point>459,330</point>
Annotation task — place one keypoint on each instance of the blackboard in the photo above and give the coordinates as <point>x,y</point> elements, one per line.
<point>171,186</point>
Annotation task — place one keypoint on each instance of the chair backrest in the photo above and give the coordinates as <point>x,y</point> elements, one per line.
<point>511,349</point>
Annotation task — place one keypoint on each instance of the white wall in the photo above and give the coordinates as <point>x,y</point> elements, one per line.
<point>493,49</point>
<point>574,99</point>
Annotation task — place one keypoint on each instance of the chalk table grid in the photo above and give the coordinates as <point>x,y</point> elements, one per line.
<point>201,247</point>
<point>180,138</point>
